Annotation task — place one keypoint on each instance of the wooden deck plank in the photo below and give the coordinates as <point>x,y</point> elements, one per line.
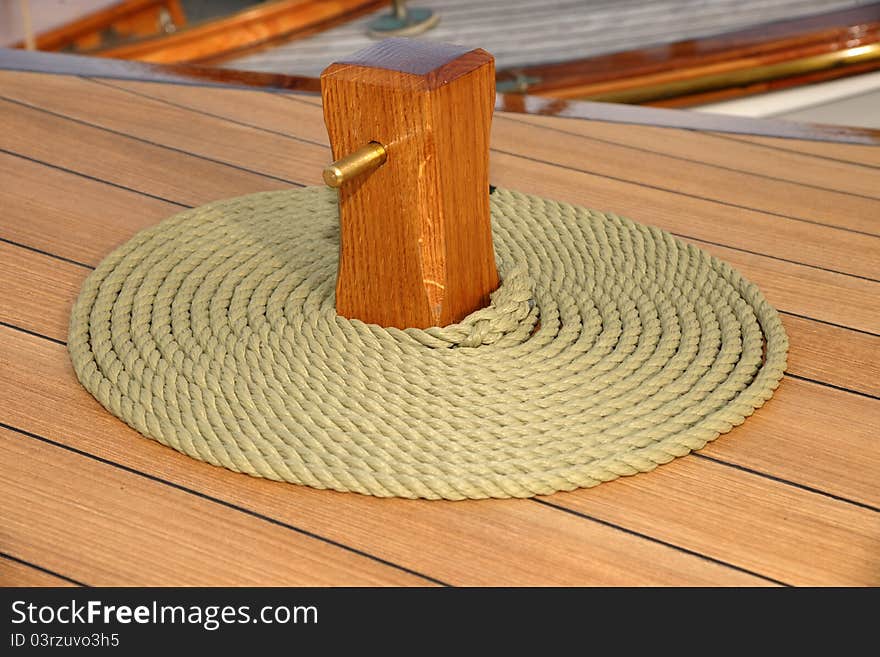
<point>78,517</point>
<point>40,291</point>
<point>469,543</point>
<point>788,497</point>
<point>734,188</point>
<point>817,436</point>
<point>854,153</point>
<point>722,151</point>
<point>287,113</point>
<point>817,245</point>
<point>69,215</point>
<point>835,355</point>
<point>696,502</point>
<point>122,160</point>
<point>704,485</point>
<point>16,573</point>
<point>821,312</point>
<point>664,157</point>
<point>731,493</point>
<point>160,123</point>
<point>268,110</point>
<point>84,219</point>
<point>822,295</point>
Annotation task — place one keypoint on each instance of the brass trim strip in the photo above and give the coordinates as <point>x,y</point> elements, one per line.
<point>741,77</point>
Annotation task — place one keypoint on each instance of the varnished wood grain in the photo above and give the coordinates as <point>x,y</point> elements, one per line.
<point>514,164</point>
<point>681,222</point>
<point>109,18</point>
<point>773,500</point>
<point>40,291</point>
<point>684,60</point>
<point>856,153</point>
<point>16,573</point>
<point>823,295</point>
<point>124,162</point>
<point>835,355</point>
<point>672,161</point>
<point>235,144</point>
<point>125,69</point>
<point>572,78</point>
<point>70,215</point>
<point>87,424</point>
<point>670,118</point>
<point>763,167</point>
<point>242,30</point>
<point>736,190</point>
<point>65,224</point>
<point>415,234</point>
<point>77,516</point>
<point>815,76</point>
<point>781,442</point>
<point>784,68</point>
<point>814,435</point>
<point>689,216</point>
<point>185,75</point>
<point>695,500</point>
<point>468,543</point>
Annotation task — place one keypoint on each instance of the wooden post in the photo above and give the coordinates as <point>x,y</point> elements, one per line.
<point>415,235</point>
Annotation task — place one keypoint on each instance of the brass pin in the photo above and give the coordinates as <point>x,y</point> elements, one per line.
<point>363,160</point>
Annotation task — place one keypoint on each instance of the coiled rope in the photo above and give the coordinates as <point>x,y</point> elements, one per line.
<point>610,347</point>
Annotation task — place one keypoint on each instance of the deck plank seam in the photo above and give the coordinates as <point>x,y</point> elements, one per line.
<point>796,376</point>
<point>587,516</point>
<point>771,477</point>
<point>305,98</point>
<point>496,150</point>
<point>300,184</point>
<point>823,321</point>
<point>773,257</point>
<point>775,147</point>
<point>657,188</point>
<point>305,93</point>
<point>715,459</point>
<point>275,521</point>
<point>694,553</point>
<point>46,253</point>
<point>832,385</point>
<point>224,503</point>
<point>503,117</point>
<point>36,334</point>
<point>713,165</point>
<point>80,174</point>
<point>43,569</point>
<point>780,310</point>
<point>653,187</point>
<point>125,135</point>
<point>220,117</point>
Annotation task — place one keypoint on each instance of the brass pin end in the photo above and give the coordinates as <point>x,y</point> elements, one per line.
<point>363,160</point>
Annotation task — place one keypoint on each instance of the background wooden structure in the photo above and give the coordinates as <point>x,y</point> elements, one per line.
<point>791,497</point>
<point>672,53</point>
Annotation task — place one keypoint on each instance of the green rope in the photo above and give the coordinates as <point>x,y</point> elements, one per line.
<point>610,347</point>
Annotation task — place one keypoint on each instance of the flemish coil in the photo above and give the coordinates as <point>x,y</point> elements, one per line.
<point>610,347</point>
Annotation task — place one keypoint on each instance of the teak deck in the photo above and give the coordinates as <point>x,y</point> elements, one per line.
<point>791,497</point>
